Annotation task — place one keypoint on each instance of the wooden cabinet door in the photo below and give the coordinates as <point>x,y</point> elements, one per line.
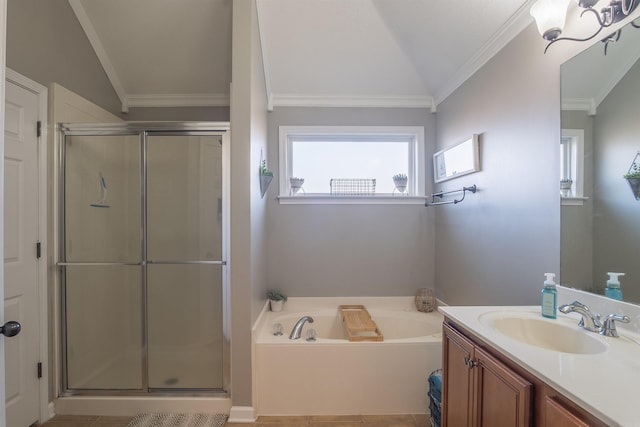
<point>457,393</point>
<point>556,415</point>
<point>503,398</point>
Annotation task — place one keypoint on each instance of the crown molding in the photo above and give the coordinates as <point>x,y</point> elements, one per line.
<point>520,20</point>
<point>101,53</point>
<point>178,100</point>
<point>580,104</point>
<point>361,101</point>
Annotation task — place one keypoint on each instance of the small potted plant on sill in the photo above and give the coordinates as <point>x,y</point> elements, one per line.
<point>565,186</point>
<point>400,180</point>
<point>276,299</point>
<point>296,184</point>
<point>633,178</point>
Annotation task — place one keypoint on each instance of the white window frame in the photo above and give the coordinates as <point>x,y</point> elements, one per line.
<point>572,164</point>
<point>416,173</point>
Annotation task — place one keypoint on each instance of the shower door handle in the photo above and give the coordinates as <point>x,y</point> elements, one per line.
<point>10,329</point>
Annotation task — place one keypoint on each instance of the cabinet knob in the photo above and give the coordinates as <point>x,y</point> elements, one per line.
<point>469,362</point>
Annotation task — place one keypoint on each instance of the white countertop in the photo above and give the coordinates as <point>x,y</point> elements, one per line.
<point>606,384</point>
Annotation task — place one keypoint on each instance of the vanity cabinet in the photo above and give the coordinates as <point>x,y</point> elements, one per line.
<point>478,389</point>
<point>481,387</point>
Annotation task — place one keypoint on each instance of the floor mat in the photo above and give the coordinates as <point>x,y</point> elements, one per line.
<point>178,420</point>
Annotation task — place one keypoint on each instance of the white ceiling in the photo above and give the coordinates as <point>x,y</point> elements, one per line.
<point>399,53</point>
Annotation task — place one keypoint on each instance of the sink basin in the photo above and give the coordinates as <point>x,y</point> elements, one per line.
<point>548,334</point>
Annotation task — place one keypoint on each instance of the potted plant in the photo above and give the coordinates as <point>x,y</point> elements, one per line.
<point>633,178</point>
<point>400,180</point>
<point>266,176</point>
<point>296,184</point>
<point>276,299</point>
<point>565,186</point>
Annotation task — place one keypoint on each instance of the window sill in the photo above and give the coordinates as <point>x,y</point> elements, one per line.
<point>573,201</point>
<point>351,200</point>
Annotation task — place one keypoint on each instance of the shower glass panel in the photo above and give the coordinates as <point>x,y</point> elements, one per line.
<point>102,199</point>
<point>104,327</point>
<point>102,245</point>
<point>184,252</point>
<point>185,326</point>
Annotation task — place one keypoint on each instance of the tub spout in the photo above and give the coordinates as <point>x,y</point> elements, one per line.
<point>297,329</point>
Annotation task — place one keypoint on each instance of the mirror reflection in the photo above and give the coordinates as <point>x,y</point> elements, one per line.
<point>600,92</point>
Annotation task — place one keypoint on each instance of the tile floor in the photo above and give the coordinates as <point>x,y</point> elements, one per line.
<point>420,420</point>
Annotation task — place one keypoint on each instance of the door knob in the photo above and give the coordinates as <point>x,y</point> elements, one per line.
<point>10,329</point>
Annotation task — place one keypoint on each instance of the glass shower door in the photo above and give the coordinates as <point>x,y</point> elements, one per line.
<point>102,269</point>
<point>184,261</point>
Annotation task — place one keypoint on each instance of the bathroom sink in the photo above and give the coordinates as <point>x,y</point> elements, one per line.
<point>549,334</point>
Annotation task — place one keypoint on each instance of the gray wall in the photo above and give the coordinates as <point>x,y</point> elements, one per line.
<point>248,244</point>
<point>495,246</point>
<point>576,257</point>
<point>349,250</point>
<point>46,43</point>
<point>616,225</point>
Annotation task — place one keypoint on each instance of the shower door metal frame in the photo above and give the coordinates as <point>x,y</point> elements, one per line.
<point>143,130</point>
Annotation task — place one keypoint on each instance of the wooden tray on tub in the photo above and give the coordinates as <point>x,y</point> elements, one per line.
<point>358,324</point>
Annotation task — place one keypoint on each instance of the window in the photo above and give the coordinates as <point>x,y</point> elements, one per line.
<point>572,164</point>
<point>351,164</point>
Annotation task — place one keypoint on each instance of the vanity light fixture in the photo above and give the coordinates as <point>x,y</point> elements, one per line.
<point>550,16</point>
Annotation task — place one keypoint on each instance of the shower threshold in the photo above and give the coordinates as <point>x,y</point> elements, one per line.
<point>133,405</point>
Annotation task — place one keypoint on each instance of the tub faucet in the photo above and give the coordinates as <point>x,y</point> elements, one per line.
<point>590,321</point>
<point>297,329</point>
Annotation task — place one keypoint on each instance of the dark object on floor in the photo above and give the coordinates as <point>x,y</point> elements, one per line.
<point>435,396</point>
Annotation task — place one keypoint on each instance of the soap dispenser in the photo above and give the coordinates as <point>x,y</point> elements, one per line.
<point>549,297</point>
<point>613,286</point>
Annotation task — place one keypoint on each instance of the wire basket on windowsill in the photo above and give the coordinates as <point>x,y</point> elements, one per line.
<point>425,300</point>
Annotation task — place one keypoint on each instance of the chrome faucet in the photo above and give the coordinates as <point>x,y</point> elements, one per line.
<point>609,325</point>
<point>590,321</point>
<point>297,329</point>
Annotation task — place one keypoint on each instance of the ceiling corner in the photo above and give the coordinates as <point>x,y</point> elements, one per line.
<point>507,32</point>
<point>94,40</point>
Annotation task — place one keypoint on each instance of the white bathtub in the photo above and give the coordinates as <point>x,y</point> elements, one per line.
<point>333,376</point>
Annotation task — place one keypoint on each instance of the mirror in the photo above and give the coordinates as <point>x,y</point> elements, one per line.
<point>600,92</point>
<point>459,160</point>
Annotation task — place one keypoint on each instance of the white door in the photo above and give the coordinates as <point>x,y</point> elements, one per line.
<point>20,255</point>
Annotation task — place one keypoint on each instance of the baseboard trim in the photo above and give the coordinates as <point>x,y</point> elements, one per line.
<point>242,414</point>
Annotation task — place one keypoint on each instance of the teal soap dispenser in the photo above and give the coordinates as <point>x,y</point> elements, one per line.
<point>613,286</point>
<point>549,297</point>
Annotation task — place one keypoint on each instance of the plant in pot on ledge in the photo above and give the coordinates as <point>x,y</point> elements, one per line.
<point>296,184</point>
<point>565,186</point>
<point>400,180</point>
<point>633,178</point>
<point>276,299</point>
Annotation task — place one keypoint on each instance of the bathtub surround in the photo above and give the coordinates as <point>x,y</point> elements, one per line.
<point>335,376</point>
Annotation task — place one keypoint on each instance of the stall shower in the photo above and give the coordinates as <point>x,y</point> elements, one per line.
<point>142,258</point>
